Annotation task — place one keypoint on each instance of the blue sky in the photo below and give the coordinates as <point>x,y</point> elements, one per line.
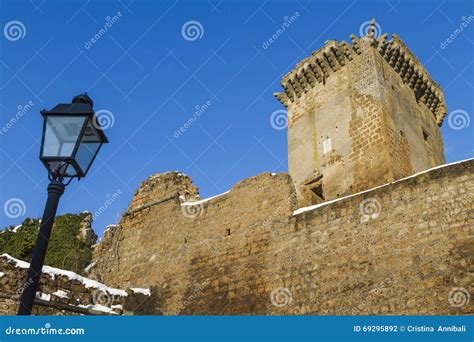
<point>147,77</point>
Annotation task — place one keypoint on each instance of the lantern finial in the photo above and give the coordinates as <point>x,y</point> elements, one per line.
<point>83,98</point>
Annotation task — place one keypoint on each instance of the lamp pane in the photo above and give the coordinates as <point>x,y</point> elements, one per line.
<point>85,154</point>
<point>88,147</point>
<point>69,172</point>
<point>61,135</point>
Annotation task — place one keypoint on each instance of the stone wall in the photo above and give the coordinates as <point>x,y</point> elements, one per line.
<point>402,248</point>
<point>398,249</point>
<point>359,116</point>
<point>180,248</point>
<point>64,292</point>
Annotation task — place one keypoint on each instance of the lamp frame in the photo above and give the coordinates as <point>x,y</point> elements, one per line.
<point>71,160</point>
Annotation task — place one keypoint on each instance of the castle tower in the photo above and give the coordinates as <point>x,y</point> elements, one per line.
<point>360,115</point>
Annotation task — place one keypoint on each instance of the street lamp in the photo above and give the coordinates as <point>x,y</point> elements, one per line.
<point>72,137</point>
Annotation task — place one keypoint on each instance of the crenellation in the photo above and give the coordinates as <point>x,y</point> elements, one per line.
<point>332,58</point>
<point>316,70</point>
<point>347,50</point>
<point>310,76</point>
<point>356,45</point>
<point>324,66</point>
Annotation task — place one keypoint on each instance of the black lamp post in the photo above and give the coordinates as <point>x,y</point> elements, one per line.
<point>72,137</point>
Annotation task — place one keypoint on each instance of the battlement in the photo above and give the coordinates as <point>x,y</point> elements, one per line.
<point>335,55</point>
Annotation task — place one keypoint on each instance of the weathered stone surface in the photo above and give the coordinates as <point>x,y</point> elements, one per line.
<point>86,232</point>
<point>397,249</point>
<point>178,250</point>
<point>65,293</point>
<point>372,117</point>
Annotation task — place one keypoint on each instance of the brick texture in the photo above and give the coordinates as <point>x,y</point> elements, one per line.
<point>397,249</point>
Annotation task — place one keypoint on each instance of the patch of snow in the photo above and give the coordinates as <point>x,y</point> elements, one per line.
<point>312,207</point>
<point>61,294</point>
<point>117,306</point>
<point>110,226</point>
<point>53,272</point>
<point>2,274</point>
<point>98,307</point>
<point>273,174</point>
<point>88,268</point>
<point>143,291</point>
<point>14,230</point>
<point>205,199</point>
<point>43,296</point>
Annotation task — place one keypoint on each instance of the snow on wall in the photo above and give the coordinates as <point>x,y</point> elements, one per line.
<point>315,206</point>
<point>143,291</point>
<point>53,272</point>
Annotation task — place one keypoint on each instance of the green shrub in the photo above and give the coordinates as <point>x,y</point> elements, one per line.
<point>65,250</point>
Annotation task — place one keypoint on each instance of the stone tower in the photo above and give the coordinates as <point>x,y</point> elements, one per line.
<point>360,115</point>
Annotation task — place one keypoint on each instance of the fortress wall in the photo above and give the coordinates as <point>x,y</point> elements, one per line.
<point>397,249</point>
<point>217,250</point>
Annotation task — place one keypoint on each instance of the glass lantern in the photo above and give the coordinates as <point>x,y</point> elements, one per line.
<point>72,137</point>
